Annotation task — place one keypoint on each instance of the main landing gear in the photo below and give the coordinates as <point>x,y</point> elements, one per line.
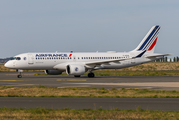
<point>91,75</point>
<point>19,71</point>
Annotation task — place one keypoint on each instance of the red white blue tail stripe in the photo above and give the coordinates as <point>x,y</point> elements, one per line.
<point>150,40</point>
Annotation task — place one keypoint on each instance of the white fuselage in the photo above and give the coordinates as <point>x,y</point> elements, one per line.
<point>47,61</point>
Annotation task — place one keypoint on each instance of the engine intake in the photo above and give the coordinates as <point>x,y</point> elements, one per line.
<point>75,69</point>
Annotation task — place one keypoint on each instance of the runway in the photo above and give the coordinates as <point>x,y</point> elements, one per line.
<point>29,79</point>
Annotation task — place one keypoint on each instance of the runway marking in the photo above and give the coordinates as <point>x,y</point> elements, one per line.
<point>11,80</point>
<point>22,85</point>
<point>71,79</point>
<point>11,74</point>
<point>75,86</point>
<point>22,74</point>
<point>147,84</point>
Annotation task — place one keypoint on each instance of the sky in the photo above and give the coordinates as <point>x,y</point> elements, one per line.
<point>86,25</point>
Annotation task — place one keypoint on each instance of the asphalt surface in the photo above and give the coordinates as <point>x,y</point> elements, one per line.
<point>153,83</point>
<point>164,104</point>
<point>28,79</point>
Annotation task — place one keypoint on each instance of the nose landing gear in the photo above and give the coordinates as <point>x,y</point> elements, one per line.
<point>19,76</point>
<point>19,71</point>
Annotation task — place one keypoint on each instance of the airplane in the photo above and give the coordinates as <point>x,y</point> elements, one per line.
<point>78,63</point>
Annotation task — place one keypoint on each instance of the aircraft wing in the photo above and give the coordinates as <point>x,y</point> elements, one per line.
<point>157,55</point>
<point>105,61</point>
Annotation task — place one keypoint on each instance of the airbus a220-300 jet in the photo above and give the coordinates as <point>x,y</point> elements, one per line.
<point>78,63</point>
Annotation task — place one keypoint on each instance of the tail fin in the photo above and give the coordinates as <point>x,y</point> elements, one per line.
<point>149,41</point>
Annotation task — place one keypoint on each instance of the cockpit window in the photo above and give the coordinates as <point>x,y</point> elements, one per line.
<point>16,58</point>
<point>13,58</point>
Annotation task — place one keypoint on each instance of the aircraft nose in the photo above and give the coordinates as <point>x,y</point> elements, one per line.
<point>8,64</point>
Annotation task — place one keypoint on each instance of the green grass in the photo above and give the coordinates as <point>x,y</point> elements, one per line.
<point>86,114</point>
<point>42,91</point>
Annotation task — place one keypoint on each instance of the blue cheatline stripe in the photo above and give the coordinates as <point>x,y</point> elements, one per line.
<point>152,39</point>
<point>140,55</point>
<point>151,34</point>
<point>148,38</point>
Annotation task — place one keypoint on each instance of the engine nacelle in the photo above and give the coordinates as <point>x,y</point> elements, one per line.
<point>75,69</point>
<point>53,72</point>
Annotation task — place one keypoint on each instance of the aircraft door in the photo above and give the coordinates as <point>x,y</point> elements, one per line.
<point>30,59</point>
<point>133,61</point>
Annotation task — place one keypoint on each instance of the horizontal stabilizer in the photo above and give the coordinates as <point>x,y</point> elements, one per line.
<point>157,55</point>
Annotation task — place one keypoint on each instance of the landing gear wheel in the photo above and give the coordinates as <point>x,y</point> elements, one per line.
<point>77,75</point>
<point>19,76</point>
<point>91,75</point>
<point>19,71</point>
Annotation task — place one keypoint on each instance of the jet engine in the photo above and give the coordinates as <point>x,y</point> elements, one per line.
<point>53,72</point>
<point>75,69</point>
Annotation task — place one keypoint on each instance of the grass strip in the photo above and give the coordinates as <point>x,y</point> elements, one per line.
<point>86,114</point>
<point>42,91</point>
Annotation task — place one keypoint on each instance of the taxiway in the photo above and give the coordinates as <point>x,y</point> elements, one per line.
<point>29,79</point>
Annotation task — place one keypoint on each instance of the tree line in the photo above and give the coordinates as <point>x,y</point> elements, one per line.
<point>166,59</point>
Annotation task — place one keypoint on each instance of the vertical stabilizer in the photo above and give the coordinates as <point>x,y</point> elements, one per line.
<point>149,41</point>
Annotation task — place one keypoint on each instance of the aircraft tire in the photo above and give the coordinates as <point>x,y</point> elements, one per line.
<point>19,76</point>
<point>91,75</point>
